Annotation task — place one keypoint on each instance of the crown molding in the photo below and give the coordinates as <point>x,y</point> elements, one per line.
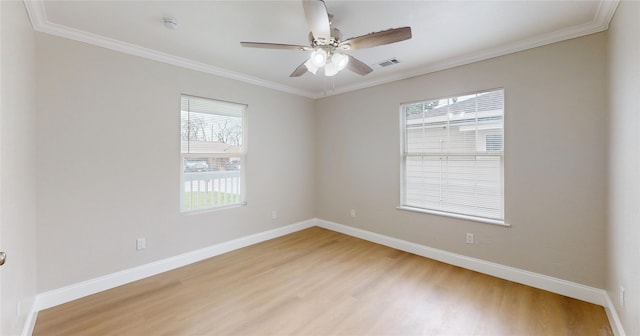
<point>39,21</point>
<point>606,10</point>
<point>600,23</point>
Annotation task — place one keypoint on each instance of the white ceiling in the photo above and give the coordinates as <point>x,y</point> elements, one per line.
<point>445,34</point>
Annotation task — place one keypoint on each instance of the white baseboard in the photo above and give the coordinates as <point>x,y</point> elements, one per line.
<point>69,293</point>
<point>551,284</point>
<point>571,289</point>
<point>614,319</point>
<point>30,323</point>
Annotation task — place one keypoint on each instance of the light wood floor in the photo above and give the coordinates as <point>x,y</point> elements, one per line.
<point>318,282</point>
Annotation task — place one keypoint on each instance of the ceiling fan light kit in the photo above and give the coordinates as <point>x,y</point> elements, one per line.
<point>325,42</point>
<point>337,64</point>
<point>318,57</point>
<point>332,64</point>
<point>309,67</point>
<point>340,60</point>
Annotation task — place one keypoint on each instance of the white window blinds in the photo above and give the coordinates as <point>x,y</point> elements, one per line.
<point>212,149</point>
<point>452,155</point>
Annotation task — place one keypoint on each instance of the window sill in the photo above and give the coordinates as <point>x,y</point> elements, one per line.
<point>201,211</point>
<point>447,214</point>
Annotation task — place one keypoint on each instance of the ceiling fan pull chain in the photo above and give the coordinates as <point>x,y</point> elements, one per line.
<point>325,85</point>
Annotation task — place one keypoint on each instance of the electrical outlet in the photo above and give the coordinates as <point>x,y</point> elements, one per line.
<point>353,213</point>
<point>141,244</point>
<point>469,238</point>
<point>621,296</point>
<point>274,214</point>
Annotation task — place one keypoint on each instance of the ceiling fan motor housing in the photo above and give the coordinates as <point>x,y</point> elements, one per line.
<point>333,41</point>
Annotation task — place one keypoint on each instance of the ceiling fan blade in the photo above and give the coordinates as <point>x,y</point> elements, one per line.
<point>317,18</point>
<point>274,46</point>
<point>299,71</point>
<point>358,67</point>
<point>376,39</point>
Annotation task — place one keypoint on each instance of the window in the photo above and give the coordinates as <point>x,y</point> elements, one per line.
<point>452,156</point>
<point>212,152</point>
<point>494,142</point>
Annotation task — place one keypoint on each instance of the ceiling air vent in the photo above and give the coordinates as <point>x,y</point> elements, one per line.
<point>389,62</point>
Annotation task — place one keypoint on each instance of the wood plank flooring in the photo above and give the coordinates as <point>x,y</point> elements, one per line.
<point>319,282</point>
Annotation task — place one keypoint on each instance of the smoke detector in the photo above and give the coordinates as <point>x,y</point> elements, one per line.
<point>170,23</point>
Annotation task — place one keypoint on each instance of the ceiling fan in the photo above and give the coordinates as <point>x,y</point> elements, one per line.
<point>327,45</point>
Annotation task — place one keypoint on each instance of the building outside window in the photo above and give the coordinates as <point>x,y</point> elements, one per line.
<point>453,156</point>
<point>212,153</point>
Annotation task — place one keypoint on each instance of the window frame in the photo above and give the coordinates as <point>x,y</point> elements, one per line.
<point>404,155</point>
<point>241,154</point>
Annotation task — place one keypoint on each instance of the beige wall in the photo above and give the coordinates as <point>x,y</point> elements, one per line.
<point>555,157</point>
<point>17,167</point>
<point>107,167</point>
<point>109,164</point>
<point>624,172</point>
